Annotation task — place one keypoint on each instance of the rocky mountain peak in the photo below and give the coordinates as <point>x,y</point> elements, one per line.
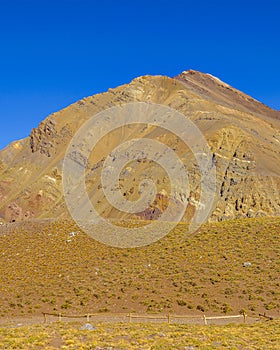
<point>243,134</point>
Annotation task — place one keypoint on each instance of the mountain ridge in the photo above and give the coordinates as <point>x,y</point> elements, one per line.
<point>193,76</point>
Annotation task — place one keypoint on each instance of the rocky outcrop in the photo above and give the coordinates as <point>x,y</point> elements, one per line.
<point>44,138</point>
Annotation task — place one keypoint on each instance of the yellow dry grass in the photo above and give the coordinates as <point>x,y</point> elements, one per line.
<point>142,336</point>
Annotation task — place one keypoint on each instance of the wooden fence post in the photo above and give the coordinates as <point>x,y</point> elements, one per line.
<point>59,317</point>
<point>45,317</point>
<point>87,317</point>
<point>244,316</point>
<point>168,318</point>
<point>130,318</point>
<point>205,320</point>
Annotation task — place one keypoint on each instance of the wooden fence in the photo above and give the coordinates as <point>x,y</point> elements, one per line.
<point>147,318</point>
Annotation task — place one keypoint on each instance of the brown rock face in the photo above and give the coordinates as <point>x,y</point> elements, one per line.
<point>243,134</point>
<point>44,138</point>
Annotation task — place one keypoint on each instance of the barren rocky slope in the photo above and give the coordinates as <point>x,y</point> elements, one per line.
<point>243,134</point>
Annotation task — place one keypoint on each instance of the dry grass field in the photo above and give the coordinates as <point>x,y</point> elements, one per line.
<point>45,268</point>
<point>142,336</point>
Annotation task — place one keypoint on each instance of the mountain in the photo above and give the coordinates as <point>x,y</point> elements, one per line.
<point>243,135</point>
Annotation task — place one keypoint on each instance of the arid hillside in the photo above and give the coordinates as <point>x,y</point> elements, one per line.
<point>224,268</point>
<point>243,134</point>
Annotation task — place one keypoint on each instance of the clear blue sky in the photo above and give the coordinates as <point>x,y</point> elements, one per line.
<point>55,52</point>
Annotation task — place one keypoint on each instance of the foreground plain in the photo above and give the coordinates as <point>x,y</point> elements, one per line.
<point>259,336</point>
